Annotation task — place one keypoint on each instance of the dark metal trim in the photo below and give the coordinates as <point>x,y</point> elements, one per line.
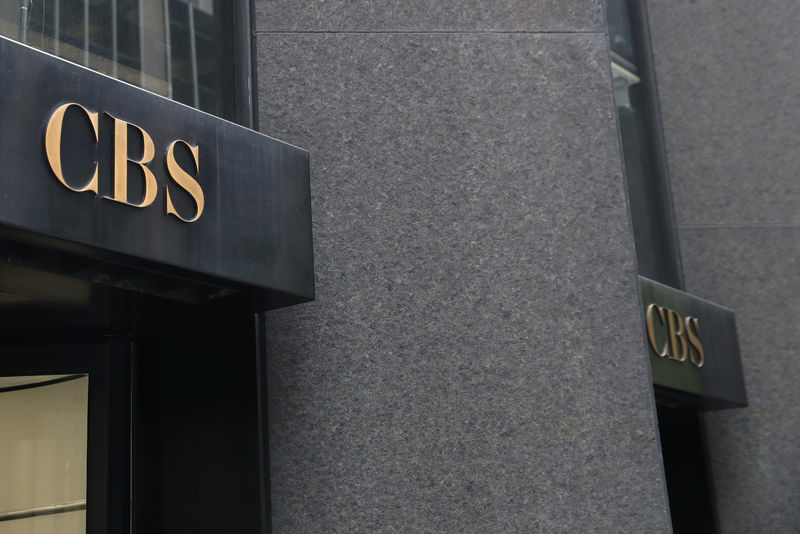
<point>646,71</point>
<point>244,71</point>
<point>253,66</point>
<point>712,489</point>
<point>42,383</point>
<point>24,19</point>
<point>244,26</point>
<point>263,419</point>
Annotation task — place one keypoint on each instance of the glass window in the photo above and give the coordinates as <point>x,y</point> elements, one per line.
<point>645,167</point>
<point>43,447</point>
<point>181,49</point>
<point>620,32</point>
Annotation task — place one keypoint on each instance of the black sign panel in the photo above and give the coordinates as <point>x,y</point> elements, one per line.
<point>92,165</point>
<point>694,349</point>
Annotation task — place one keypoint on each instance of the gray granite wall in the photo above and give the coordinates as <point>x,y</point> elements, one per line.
<point>730,96</point>
<point>474,361</point>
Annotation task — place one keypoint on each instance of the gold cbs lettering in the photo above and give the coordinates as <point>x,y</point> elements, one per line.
<point>677,332</point>
<point>651,334</point>
<point>184,179</point>
<point>52,145</point>
<point>122,159</point>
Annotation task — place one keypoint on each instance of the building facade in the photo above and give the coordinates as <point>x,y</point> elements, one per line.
<point>476,357</point>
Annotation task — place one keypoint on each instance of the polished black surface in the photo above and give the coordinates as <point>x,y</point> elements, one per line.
<point>254,234</point>
<point>690,486</point>
<point>197,461</point>
<point>719,383</point>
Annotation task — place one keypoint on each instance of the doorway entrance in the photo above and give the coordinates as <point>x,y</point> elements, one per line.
<point>60,428</point>
<point>128,412</point>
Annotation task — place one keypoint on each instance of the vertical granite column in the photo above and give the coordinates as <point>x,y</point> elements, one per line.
<point>730,99</point>
<point>474,361</point>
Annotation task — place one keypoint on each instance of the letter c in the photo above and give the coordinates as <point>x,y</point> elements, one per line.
<point>651,333</point>
<point>52,145</point>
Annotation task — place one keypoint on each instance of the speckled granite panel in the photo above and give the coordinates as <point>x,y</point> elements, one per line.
<point>474,361</point>
<point>754,451</point>
<point>420,15</point>
<point>728,80</point>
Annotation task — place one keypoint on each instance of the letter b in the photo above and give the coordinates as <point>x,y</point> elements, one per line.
<point>675,327</point>
<point>121,160</point>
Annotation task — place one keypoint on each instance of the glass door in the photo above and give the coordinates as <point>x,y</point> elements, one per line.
<point>64,437</point>
<point>43,453</point>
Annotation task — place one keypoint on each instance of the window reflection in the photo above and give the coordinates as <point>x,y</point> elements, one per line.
<point>620,32</point>
<point>176,48</point>
<point>648,191</point>
<point>43,447</point>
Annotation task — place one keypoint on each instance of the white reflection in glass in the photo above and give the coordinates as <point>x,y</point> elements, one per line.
<point>43,442</point>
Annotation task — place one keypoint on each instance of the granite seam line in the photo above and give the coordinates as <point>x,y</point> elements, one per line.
<point>736,225</point>
<point>430,32</point>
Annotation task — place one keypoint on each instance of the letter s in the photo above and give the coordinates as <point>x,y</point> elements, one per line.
<point>186,181</point>
<point>693,331</point>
